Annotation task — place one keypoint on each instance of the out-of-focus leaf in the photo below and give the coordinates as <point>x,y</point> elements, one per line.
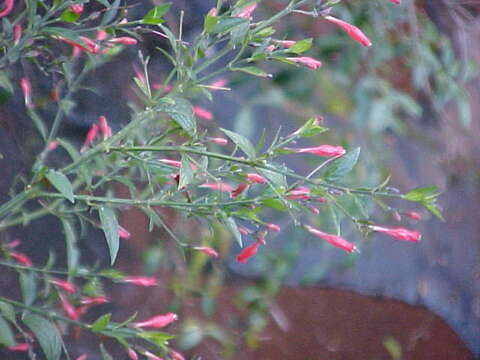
<point>73,254</point>
<point>242,142</point>
<point>6,334</point>
<point>301,46</point>
<point>61,183</point>
<point>252,70</point>
<point>155,16</point>
<point>47,335</point>
<point>227,24</point>
<point>101,323</point>
<point>28,287</point>
<point>233,228</point>
<point>181,112</point>
<point>110,228</point>
<point>341,166</point>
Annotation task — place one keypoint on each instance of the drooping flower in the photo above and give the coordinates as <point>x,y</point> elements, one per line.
<point>248,252</point>
<point>272,227</point>
<point>238,190</point>
<point>255,178</point>
<point>218,186</point>
<point>90,138</point>
<point>68,308</point>
<point>413,215</point>
<point>132,354</point>
<point>27,92</point>
<point>335,240</point>
<point>246,13</point>
<point>77,9</point>
<point>323,150</point>
<point>202,113</point>
<point>7,7</point>
<point>307,61</point>
<point>104,128</point>
<point>175,355</point>
<point>82,357</point>
<point>299,193</point>
<point>145,281</point>
<point>96,300</point>
<point>157,322</point>
<point>17,33</point>
<point>21,258</point>
<point>124,40</point>
<point>218,140</point>
<point>123,233</point>
<point>207,250</point>
<point>64,285</point>
<point>22,347</point>
<point>398,233</point>
<point>354,32</point>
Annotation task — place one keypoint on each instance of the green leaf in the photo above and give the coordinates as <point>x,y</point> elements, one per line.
<point>301,46</point>
<point>6,334</point>
<point>252,70</point>
<point>310,128</point>
<point>227,24</point>
<point>110,228</point>
<point>47,335</point>
<point>210,22</point>
<point>101,323</point>
<point>61,183</point>
<point>28,287</point>
<point>275,177</point>
<point>8,311</point>
<point>423,193</point>
<point>432,207</point>
<point>69,16</point>
<point>154,16</point>
<point>105,354</point>
<point>186,173</point>
<point>111,12</point>
<point>157,337</point>
<point>275,204</point>
<point>341,166</point>
<point>181,111</point>
<point>242,142</point>
<point>73,254</point>
<point>233,228</point>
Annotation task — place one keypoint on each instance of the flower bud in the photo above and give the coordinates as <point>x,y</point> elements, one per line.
<point>248,252</point>
<point>335,240</point>
<point>157,322</point>
<point>307,61</point>
<point>141,280</point>
<point>354,32</point>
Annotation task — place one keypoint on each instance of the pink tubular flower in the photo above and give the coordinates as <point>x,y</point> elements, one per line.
<point>354,32</point>
<point>413,215</point>
<point>202,113</point>
<point>218,140</point>
<point>77,9</point>
<point>151,356</point>
<point>20,347</point>
<point>307,61</point>
<point>68,308</point>
<point>272,227</point>
<point>27,92</point>
<point>397,2</point>
<point>176,355</point>
<point>218,186</point>
<point>91,136</point>
<point>243,230</point>
<point>240,189</point>
<point>104,128</point>
<point>323,150</point>
<point>7,7</point>
<point>94,300</point>
<point>132,354</point>
<point>314,210</point>
<point>123,233</point>
<point>53,145</point>
<point>17,33</point>
<point>207,250</point>
<point>157,322</point>
<point>14,243</point>
<point>246,13</point>
<point>92,45</point>
<point>141,280</point>
<point>299,193</point>
<point>124,40</point>
<point>285,43</point>
<point>220,83</point>
<point>248,252</point>
<point>255,178</point>
<point>64,285</point>
<point>101,35</point>
<point>332,239</point>
<point>21,258</point>
<point>398,233</point>
<point>174,163</point>
<point>82,357</point>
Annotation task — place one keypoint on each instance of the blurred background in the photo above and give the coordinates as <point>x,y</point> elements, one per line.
<point>411,102</point>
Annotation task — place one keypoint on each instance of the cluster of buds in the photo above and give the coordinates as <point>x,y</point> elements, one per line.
<point>96,129</point>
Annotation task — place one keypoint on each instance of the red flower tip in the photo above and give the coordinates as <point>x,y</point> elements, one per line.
<point>64,285</point>
<point>273,227</point>
<point>335,240</point>
<point>307,61</point>
<point>156,322</point>
<point>91,136</point>
<point>124,40</point>
<point>21,258</point>
<point>248,252</point>
<point>104,128</point>
<point>176,355</point>
<point>20,347</point>
<point>413,215</point>
<point>299,193</point>
<point>68,308</point>
<point>17,33</point>
<point>77,9</point>
<point>207,250</point>
<point>218,140</point>
<point>354,32</point>
<point>218,186</point>
<point>151,356</point>
<point>27,92</point>
<point>132,354</point>
<point>53,145</point>
<point>7,7</point>
<point>220,83</point>
<point>123,233</point>
<point>246,13</point>
<point>94,300</point>
<point>323,150</point>
<point>82,357</point>
<point>399,233</point>
<point>255,178</point>
<point>240,188</point>
<point>202,113</point>
<point>141,280</point>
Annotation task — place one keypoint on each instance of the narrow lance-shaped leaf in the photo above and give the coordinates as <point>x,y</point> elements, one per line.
<point>301,46</point>
<point>181,111</point>
<point>6,334</point>
<point>46,333</point>
<point>155,16</point>
<point>242,142</point>
<point>101,323</point>
<point>28,287</point>
<point>71,245</point>
<point>61,183</point>
<point>227,24</point>
<point>341,166</point>
<point>233,228</point>
<point>110,228</point>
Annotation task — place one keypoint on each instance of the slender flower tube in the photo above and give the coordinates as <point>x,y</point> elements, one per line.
<point>77,9</point>
<point>220,83</point>
<point>132,354</point>
<point>64,285</point>
<point>151,356</point>
<point>335,240</point>
<point>207,250</point>
<point>247,12</point>
<point>240,189</point>
<point>323,150</point>
<point>27,92</point>
<point>157,322</point>
<point>397,2</point>
<point>413,215</point>
<point>202,113</point>
<point>285,43</point>
<point>218,140</point>
<point>255,178</point>
<point>299,193</point>
<point>82,357</point>
<point>21,258</point>
<point>94,300</point>
<point>398,233</point>
<point>124,40</point>
<point>123,233</point>
<point>90,138</point>
<point>243,230</point>
<point>218,186</point>
<point>104,128</point>
<point>22,347</point>
<point>68,308</point>
<point>354,32</point>
<point>17,33</point>
<point>272,227</point>
<point>141,280</point>
<point>248,252</point>
<point>7,7</point>
<point>174,163</point>
<point>307,61</point>
<point>101,35</point>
